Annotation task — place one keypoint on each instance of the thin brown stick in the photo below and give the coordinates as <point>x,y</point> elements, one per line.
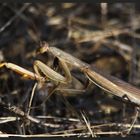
<point>31,98</point>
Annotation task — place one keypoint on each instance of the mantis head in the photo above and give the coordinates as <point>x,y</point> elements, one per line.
<point>44,47</point>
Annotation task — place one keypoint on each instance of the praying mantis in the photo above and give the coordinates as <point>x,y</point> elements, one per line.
<point>104,81</point>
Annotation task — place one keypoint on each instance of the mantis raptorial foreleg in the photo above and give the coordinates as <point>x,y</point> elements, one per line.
<point>40,68</point>
<point>48,73</point>
<point>66,70</point>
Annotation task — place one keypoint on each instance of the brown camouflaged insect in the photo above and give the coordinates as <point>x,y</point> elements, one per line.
<point>106,82</point>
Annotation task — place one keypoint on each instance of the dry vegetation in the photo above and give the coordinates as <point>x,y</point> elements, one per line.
<point>104,35</point>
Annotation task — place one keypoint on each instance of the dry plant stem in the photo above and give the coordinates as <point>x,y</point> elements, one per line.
<point>7,119</point>
<point>135,119</point>
<point>32,95</point>
<point>22,114</point>
<point>104,11</point>
<point>88,125</point>
<point>51,92</point>
<point>124,50</point>
<point>96,36</point>
<point>71,108</point>
<point>14,17</point>
<point>98,126</point>
<point>61,135</point>
<point>127,126</point>
<point>104,81</point>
